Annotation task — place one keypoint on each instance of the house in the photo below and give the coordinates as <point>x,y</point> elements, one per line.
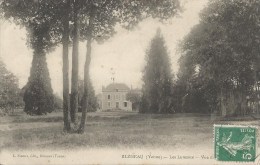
<point>113,97</point>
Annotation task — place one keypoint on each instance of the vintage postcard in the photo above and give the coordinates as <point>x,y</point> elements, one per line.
<point>129,82</point>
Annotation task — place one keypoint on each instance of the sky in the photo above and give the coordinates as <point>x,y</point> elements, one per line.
<point>121,57</point>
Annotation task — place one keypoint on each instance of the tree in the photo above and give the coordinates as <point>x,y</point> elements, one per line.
<point>40,23</point>
<point>226,54</point>
<point>157,78</point>
<point>65,62</point>
<point>134,96</point>
<point>75,61</point>
<point>9,91</point>
<point>38,96</point>
<point>58,102</point>
<point>92,100</point>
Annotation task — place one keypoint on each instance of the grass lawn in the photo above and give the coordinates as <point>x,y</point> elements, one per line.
<point>111,129</point>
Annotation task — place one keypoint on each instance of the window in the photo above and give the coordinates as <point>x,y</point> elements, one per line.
<point>125,104</point>
<point>108,104</point>
<point>108,97</point>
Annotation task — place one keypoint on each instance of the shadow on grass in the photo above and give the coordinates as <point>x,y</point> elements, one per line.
<point>95,136</point>
<point>39,119</point>
<point>53,119</point>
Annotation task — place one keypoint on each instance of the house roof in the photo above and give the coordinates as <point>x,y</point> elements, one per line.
<point>116,86</point>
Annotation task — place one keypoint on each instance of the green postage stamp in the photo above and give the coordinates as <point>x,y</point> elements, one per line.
<point>235,143</point>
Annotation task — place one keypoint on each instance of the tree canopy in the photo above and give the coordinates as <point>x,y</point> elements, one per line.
<point>157,77</point>
<point>223,48</point>
<point>38,17</point>
<point>10,94</point>
<point>40,21</point>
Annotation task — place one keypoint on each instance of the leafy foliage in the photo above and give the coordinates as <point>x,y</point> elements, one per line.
<point>92,99</point>
<point>10,94</point>
<point>224,54</point>
<point>58,102</point>
<point>38,96</point>
<point>157,77</point>
<point>134,96</point>
<point>38,17</point>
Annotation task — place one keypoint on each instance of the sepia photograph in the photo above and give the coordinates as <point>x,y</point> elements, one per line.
<point>129,82</point>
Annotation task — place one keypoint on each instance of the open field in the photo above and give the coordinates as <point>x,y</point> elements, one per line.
<point>111,129</point>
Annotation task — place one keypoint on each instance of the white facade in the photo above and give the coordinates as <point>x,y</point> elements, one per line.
<point>113,97</point>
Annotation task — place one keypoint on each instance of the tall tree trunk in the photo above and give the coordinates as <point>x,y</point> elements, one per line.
<point>257,96</point>
<point>86,88</point>
<point>231,102</point>
<point>75,65</point>
<point>223,107</point>
<point>65,68</point>
<point>244,107</point>
<point>257,84</point>
<point>86,75</point>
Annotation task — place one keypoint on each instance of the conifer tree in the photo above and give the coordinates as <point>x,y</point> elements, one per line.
<point>157,78</point>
